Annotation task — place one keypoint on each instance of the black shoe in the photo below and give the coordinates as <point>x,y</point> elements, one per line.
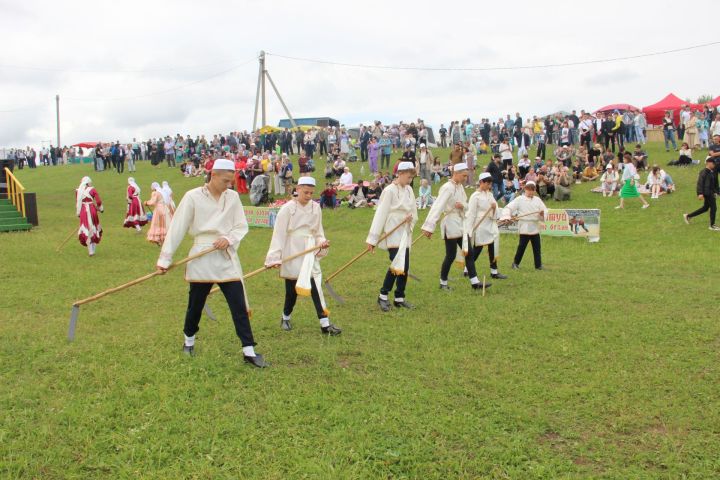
<point>478,286</point>
<point>466,274</point>
<point>189,350</point>
<point>404,304</point>
<point>256,361</point>
<point>285,324</point>
<point>331,330</point>
<point>540,268</point>
<point>515,266</point>
<point>384,304</point>
<point>499,276</point>
<point>445,287</point>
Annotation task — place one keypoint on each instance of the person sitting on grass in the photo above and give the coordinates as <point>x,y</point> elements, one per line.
<point>590,174</point>
<point>338,167</point>
<point>374,193</point>
<point>346,180</point>
<point>640,158</point>
<point>609,181</point>
<point>577,171</point>
<point>667,185</point>
<point>684,156</point>
<point>562,185</point>
<point>425,199</point>
<point>328,197</point>
<point>654,182</point>
<point>436,170</point>
<point>358,198</point>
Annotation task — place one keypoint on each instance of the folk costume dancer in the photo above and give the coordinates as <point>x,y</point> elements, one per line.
<point>396,205</point>
<point>135,217</point>
<point>298,227</point>
<point>161,217</point>
<point>452,201</point>
<point>168,194</point>
<point>214,216</point>
<point>87,204</point>
<point>531,211</point>
<point>481,226</point>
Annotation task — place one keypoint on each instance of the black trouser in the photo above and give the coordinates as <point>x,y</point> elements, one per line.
<point>451,247</point>
<point>291,297</point>
<point>106,163</point>
<point>541,150</point>
<point>323,147</point>
<point>443,141</point>
<point>586,139</point>
<point>477,250</point>
<point>708,204</point>
<point>235,296</point>
<point>363,152</point>
<point>120,164</point>
<point>398,280</point>
<point>524,239</point>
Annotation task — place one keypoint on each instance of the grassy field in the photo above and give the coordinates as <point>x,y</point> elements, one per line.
<point>603,366</point>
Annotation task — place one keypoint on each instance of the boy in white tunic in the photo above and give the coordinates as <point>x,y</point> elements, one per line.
<point>480,224</point>
<point>298,227</point>
<point>214,216</point>
<point>529,211</point>
<point>396,205</point>
<point>452,201</point>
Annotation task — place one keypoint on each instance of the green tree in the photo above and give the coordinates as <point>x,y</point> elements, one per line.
<point>704,98</point>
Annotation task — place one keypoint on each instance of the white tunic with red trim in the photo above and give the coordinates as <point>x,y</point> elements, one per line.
<point>295,226</point>
<point>207,219</point>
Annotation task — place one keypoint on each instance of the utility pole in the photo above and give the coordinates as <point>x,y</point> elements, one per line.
<point>57,114</point>
<point>260,95</point>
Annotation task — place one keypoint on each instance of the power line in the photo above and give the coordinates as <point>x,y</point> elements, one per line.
<point>101,70</point>
<point>161,92</point>
<point>490,69</point>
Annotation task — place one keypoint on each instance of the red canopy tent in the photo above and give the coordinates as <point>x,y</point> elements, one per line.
<point>654,113</point>
<point>622,107</point>
<point>86,144</point>
<point>715,102</point>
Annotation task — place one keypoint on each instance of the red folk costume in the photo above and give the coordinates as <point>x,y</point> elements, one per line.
<point>240,179</point>
<point>135,217</point>
<point>87,204</point>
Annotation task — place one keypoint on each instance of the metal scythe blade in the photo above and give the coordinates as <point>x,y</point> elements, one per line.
<point>73,322</point>
<point>209,313</point>
<point>417,279</point>
<point>333,293</point>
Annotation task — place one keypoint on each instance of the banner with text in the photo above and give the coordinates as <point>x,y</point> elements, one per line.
<point>263,217</point>
<point>567,222</point>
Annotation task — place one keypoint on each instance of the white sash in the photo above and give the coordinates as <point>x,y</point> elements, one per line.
<point>397,267</point>
<point>310,270</point>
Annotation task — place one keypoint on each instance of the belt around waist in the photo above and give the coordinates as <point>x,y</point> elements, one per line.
<point>206,238</point>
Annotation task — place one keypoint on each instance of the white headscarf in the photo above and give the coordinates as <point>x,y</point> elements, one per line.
<point>167,193</point>
<point>131,182</point>
<point>83,191</point>
<point>156,187</point>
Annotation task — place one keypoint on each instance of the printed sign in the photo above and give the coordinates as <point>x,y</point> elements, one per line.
<point>567,222</point>
<point>263,217</point>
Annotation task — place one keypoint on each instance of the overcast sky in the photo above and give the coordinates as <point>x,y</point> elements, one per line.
<point>128,69</point>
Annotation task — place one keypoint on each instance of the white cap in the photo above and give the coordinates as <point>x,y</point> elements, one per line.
<point>306,181</point>
<point>405,166</point>
<point>422,145</point>
<point>530,183</point>
<point>483,176</point>
<point>222,164</point>
<point>609,167</point>
<point>459,167</point>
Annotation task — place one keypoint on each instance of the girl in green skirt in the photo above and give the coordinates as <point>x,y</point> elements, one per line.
<point>630,178</point>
